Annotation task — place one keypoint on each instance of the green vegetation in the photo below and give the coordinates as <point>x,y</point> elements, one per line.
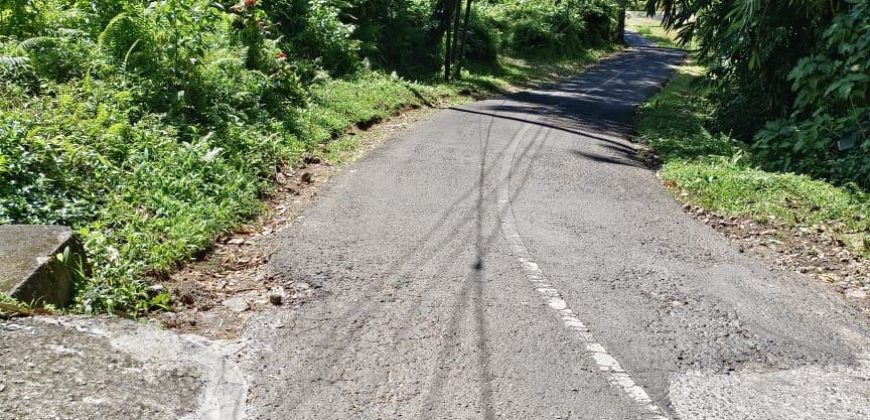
<point>721,174</point>
<point>789,79</point>
<point>153,127</point>
<point>651,29</point>
<point>654,34</point>
<point>701,125</point>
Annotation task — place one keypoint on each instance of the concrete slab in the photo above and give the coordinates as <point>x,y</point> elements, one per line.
<point>109,368</point>
<point>29,268</point>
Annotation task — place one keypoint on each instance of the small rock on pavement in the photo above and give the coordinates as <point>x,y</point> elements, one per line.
<point>275,298</point>
<point>236,304</point>
<point>187,298</point>
<point>169,317</point>
<point>155,290</point>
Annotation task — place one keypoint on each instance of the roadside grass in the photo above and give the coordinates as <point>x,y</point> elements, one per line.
<point>717,173</point>
<point>652,30</point>
<point>657,35</point>
<point>146,197</point>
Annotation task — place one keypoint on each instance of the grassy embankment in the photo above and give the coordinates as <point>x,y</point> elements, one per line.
<point>147,197</point>
<point>715,172</point>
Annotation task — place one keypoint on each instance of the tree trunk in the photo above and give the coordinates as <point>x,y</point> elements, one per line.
<point>463,39</point>
<point>436,34</point>
<point>620,28</point>
<point>457,19</point>
<point>449,7</point>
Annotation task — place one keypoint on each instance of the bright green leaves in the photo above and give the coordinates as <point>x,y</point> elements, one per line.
<point>839,74</point>
<point>790,78</point>
<point>829,128</point>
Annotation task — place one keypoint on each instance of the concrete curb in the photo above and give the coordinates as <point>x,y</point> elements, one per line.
<point>29,268</point>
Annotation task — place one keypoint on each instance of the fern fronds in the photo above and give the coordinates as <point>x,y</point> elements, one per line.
<point>123,33</point>
<point>17,70</point>
<point>10,63</point>
<point>38,42</point>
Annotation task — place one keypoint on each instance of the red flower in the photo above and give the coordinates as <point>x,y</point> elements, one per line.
<point>282,56</point>
<point>250,3</point>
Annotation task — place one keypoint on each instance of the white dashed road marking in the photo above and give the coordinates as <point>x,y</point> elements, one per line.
<point>605,362</point>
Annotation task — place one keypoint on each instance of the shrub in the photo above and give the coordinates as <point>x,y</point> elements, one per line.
<point>828,130</point>
<point>60,57</point>
<point>393,34</point>
<point>312,30</point>
<point>17,76</point>
<point>540,28</point>
<point>481,42</point>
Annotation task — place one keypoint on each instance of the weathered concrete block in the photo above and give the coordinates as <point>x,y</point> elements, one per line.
<point>29,268</point>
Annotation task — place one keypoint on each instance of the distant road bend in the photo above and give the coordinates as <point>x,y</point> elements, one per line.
<point>513,259</point>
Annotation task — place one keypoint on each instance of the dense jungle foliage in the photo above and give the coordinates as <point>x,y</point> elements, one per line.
<point>789,78</point>
<point>151,127</point>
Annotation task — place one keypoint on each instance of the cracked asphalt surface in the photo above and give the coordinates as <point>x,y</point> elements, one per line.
<point>426,312</point>
<point>510,258</point>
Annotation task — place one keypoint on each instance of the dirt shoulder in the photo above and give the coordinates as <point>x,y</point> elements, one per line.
<point>813,252</point>
<point>214,296</point>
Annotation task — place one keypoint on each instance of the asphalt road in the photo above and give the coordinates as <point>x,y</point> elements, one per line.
<point>507,259</point>
<point>512,259</point>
